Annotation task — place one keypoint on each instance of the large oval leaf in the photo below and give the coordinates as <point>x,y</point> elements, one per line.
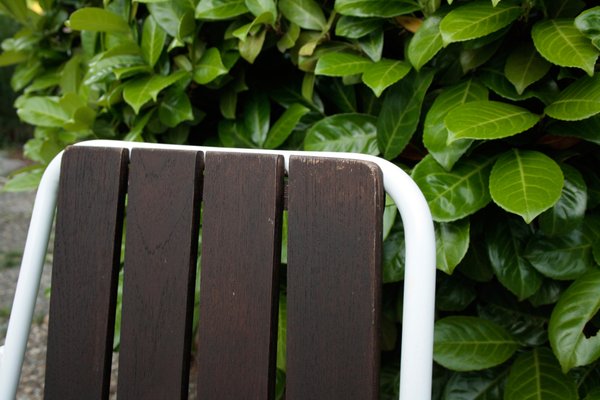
<point>305,13</point>
<point>139,91</point>
<point>525,66</point>
<point>570,208</point>
<point>214,10</point>
<point>484,385</point>
<point>400,113</point>
<point>354,133</point>
<point>435,133</point>
<point>456,194</point>
<point>375,8</point>
<point>488,120</point>
<point>380,75</point>
<point>559,42</point>
<point>354,27</point>
<point>426,42</point>
<point>506,241</point>
<point>536,375</point>
<point>341,64</point>
<point>470,343</point>
<point>526,183</point>
<point>575,308</point>
<point>97,19</point>
<point>452,243</point>
<point>477,19</point>
<point>578,101</point>
<point>42,111</point>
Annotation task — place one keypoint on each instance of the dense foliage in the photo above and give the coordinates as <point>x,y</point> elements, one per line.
<point>493,105</point>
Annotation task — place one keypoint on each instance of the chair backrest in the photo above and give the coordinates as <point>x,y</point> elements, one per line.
<point>171,198</point>
<point>333,275</point>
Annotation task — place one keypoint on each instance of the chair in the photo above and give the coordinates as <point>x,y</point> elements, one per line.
<point>334,203</point>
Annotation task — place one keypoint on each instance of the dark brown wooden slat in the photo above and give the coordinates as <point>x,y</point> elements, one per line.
<point>160,264</point>
<point>334,281</point>
<point>241,226</point>
<point>85,273</point>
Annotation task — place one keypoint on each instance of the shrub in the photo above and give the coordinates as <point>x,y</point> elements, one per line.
<point>494,105</point>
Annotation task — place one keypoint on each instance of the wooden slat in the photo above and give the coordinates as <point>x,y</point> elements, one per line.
<point>85,273</point>
<point>238,285</point>
<point>334,284</point>
<point>160,263</point>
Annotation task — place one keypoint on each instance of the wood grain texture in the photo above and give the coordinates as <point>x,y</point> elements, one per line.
<point>241,225</point>
<point>159,274</point>
<point>334,279</point>
<point>85,273</point>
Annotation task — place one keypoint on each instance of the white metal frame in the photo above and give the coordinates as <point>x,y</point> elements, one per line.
<point>419,279</point>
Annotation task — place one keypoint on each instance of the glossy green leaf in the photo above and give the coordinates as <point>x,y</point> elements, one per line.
<point>496,81</point>
<point>232,135</point>
<point>71,75</point>
<point>435,133</point>
<point>485,385</point>
<point>453,292</point>
<point>588,23</point>
<point>25,181</point>
<point>382,74</point>
<point>354,27</point>
<point>525,66</point>
<point>375,8</point>
<point>456,194</point>
<point>42,111</point>
<point>372,45</point>
<point>426,42</point>
<point>477,19</point>
<point>342,96</point>
<point>288,40</point>
<point>209,67</point>
<point>256,118</point>
<point>400,113</point>
<point>214,10</point>
<point>506,241</point>
<point>578,101</point>
<point>175,109</point>
<point>486,120</point>
<point>393,257</point>
<point>569,210</point>
<point>559,42</point>
<point>576,306</point>
<point>284,126</point>
<point>13,57</point>
<point>262,7</point>
<point>139,91</point>
<point>153,40</point>
<point>306,14</point>
<point>537,375</point>
<point>564,257</point>
<point>341,64</point>
<point>175,17</point>
<point>520,321</point>
<point>470,344</point>
<point>587,129</point>
<point>526,183</point>
<point>100,70</point>
<point>452,242</point>
<point>251,47</point>
<point>476,263</point>
<point>97,19</point>
<point>354,133</point>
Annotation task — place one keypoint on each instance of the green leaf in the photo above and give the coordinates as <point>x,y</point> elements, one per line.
<point>104,68</point>
<point>471,344</point>
<point>13,57</point>
<point>25,181</point>
<point>578,101</point>
<point>284,126</point>
<point>526,183</point>
<point>71,75</point>
<point>393,257</point>
<point>261,7</point>
<point>341,64</point>
<point>214,10</point>
<point>529,329</point>
<point>375,8</point>
<point>175,17</point>
<point>231,135</point>
<point>452,242</point>
<point>435,133</point>
<point>559,42</point>
<point>456,194</point>
<point>564,257</point>
<point>588,23</point>
<point>251,47</point>
<point>506,247</point>
<point>453,292</point>
<point>353,133</point>
<point>485,385</point>
<point>288,40</point>
<point>306,14</point>
<point>256,118</point>
<point>536,375</point>
<point>426,42</point>
<point>380,75</point>
<point>525,66</point>
<point>175,108</point>
<point>587,129</point>
<point>42,111</point>
<point>342,96</point>
<point>209,67</point>
<point>153,40</point>
<point>354,27</point>
<point>576,306</point>
<point>485,119</point>
<point>97,19</point>
<point>569,210</point>
<point>400,113</point>
<point>477,19</point>
<point>138,92</point>
<point>372,45</point>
